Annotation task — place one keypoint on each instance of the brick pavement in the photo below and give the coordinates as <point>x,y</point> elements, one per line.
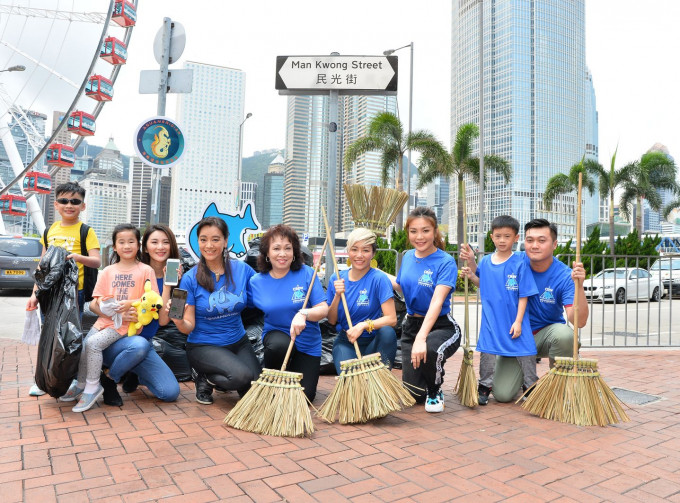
<point>150,451</point>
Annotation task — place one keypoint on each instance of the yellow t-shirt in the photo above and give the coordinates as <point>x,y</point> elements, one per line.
<point>68,237</point>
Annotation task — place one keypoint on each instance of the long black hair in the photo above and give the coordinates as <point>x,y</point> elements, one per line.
<point>174,249</point>
<point>123,228</point>
<point>203,273</point>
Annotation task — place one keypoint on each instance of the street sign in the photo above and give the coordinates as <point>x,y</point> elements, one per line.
<point>179,81</point>
<point>159,142</point>
<point>345,74</point>
<point>178,40</point>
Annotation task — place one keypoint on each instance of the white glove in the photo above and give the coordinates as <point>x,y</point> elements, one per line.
<point>109,308</point>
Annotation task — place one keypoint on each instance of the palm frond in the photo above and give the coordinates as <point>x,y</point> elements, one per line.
<point>670,207</point>
<point>360,147</point>
<point>557,185</point>
<point>465,136</point>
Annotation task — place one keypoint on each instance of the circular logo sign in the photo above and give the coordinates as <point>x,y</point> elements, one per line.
<point>159,141</point>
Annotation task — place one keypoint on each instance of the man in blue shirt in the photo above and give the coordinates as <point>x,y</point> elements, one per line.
<point>556,290</point>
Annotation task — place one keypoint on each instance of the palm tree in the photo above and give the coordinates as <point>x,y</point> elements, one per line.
<point>609,182</point>
<point>563,184</point>
<point>386,135</point>
<point>459,163</point>
<point>642,180</point>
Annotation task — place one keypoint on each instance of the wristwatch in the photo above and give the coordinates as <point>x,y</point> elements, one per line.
<point>304,312</point>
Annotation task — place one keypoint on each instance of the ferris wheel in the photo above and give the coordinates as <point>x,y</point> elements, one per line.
<point>61,58</point>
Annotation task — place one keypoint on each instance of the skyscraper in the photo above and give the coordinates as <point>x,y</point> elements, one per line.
<point>210,117</point>
<point>140,192</point>
<point>306,171</point>
<point>534,102</point>
<point>273,193</point>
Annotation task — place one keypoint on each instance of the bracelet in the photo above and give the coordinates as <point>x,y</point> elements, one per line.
<point>370,328</point>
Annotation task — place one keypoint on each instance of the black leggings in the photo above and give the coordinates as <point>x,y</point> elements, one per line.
<point>231,367</point>
<point>442,341</point>
<point>275,347</point>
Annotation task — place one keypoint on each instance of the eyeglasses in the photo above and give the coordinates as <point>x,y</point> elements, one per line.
<point>74,202</point>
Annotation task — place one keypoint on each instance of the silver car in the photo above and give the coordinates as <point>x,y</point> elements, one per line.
<point>19,256</point>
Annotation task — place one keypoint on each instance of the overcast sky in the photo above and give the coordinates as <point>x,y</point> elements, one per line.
<point>630,49</point>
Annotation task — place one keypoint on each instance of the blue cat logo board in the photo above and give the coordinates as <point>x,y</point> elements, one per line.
<point>238,225</point>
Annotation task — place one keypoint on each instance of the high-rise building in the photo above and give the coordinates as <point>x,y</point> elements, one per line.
<point>596,208</point>
<point>210,117</point>
<point>273,193</point>
<point>140,176</point>
<point>306,171</point>
<point>109,161</point>
<point>535,103</point>
<point>653,221</point>
<point>107,203</point>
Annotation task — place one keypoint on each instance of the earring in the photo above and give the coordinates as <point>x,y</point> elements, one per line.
<point>266,259</point>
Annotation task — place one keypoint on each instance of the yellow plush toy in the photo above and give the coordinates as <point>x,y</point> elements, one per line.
<point>147,308</point>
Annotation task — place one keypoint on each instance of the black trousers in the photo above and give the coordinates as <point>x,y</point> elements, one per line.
<point>231,367</point>
<point>442,341</point>
<point>275,347</point>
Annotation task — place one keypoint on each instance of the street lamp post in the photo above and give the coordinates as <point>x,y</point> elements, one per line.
<point>240,161</point>
<point>410,123</point>
<point>15,68</point>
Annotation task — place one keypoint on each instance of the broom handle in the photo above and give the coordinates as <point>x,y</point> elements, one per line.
<point>578,259</point>
<point>304,304</point>
<point>337,273</point>
<point>466,319</point>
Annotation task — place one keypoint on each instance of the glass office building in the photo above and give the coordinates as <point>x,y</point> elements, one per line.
<point>535,100</point>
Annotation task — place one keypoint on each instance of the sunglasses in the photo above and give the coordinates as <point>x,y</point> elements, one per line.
<point>74,202</point>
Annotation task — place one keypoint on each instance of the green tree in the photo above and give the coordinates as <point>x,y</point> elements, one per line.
<point>459,163</point>
<point>386,135</point>
<point>609,182</point>
<point>642,180</point>
<point>564,184</point>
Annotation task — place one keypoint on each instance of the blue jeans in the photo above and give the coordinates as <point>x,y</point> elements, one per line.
<point>384,342</point>
<point>136,354</point>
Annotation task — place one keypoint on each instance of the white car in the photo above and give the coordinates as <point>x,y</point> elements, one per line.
<point>666,271</point>
<point>621,285</point>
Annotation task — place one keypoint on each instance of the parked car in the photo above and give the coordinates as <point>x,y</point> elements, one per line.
<point>19,256</point>
<point>666,271</point>
<point>621,285</point>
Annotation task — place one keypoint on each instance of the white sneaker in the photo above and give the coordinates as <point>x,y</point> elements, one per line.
<point>87,400</point>
<point>35,391</point>
<point>435,404</point>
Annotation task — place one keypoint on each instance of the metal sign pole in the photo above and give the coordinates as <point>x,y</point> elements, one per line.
<point>332,177</point>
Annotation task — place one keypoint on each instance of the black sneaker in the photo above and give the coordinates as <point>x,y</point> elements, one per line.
<point>525,393</point>
<point>484,393</point>
<point>203,390</point>
<point>111,395</point>
<point>130,382</point>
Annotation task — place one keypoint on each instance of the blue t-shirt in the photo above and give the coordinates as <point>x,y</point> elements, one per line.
<point>418,277</point>
<point>500,288</point>
<point>555,292</point>
<point>218,313</point>
<point>280,299</point>
<point>364,297</point>
<point>150,330</point>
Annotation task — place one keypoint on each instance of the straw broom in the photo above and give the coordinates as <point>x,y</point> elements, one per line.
<point>466,385</point>
<point>276,404</point>
<point>574,391</point>
<point>365,389</point>
<point>374,208</point>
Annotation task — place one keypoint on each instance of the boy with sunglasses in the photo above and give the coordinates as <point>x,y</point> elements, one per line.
<point>69,202</point>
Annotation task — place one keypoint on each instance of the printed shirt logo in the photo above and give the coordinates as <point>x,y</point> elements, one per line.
<point>426,278</point>
<point>511,283</point>
<point>547,296</point>
<point>223,300</point>
<point>363,298</point>
<point>298,294</point>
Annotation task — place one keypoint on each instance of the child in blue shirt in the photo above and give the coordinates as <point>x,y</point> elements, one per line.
<point>505,284</point>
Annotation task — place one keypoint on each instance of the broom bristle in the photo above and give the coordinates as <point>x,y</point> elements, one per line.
<point>275,405</point>
<point>466,385</point>
<point>374,208</point>
<point>365,390</point>
<point>574,392</point>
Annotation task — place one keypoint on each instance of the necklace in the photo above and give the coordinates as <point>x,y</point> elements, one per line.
<point>217,275</point>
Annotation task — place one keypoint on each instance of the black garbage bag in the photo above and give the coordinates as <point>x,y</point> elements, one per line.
<point>400,307</point>
<point>253,321</point>
<point>61,337</point>
<point>170,344</point>
<point>328,335</point>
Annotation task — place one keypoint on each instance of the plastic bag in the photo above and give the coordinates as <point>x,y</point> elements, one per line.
<point>61,338</point>
<point>31,335</point>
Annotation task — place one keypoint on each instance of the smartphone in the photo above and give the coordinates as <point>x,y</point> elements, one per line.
<point>171,272</point>
<point>177,302</point>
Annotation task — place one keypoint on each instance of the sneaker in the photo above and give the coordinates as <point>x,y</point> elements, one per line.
<point>203,390</point>
<point>73,392</point>
<point>111,395</point>
<point>483,394</point>
<point>130,382</point>
<point>87,400</point>
<point>435,404</point>
<point>35,391</point>
<point>526,394</point>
